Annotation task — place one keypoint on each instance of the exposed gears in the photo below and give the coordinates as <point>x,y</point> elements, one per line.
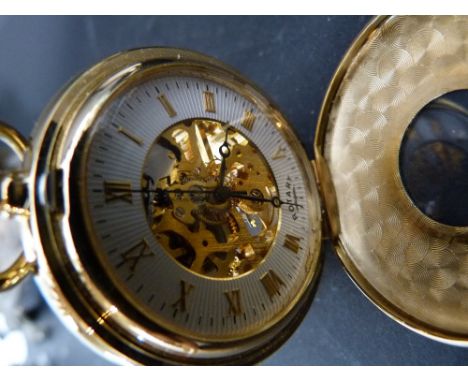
<point>203,227</point>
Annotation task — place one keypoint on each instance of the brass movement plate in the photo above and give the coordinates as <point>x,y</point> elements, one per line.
<point>204,232</point>
<point>412,267</point>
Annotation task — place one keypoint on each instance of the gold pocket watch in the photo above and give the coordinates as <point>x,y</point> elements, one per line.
<point>169,212</point>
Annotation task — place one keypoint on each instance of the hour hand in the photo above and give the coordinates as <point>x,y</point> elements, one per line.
<point>225,152</point>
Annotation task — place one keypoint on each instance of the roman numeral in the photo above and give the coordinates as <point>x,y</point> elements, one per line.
<point>234,299</point>
<point>135,254</point>
<point>117,190</point>
<point>280,153</point>
<point>167,106</point>
<point>185,289</point>
<point>248,120</point>
<point>292,243</point>
<point>272,284</point>
<point>130,136</point>
<point>210,106</point>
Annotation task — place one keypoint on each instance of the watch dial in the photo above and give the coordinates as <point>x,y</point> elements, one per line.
<point>199,205</point>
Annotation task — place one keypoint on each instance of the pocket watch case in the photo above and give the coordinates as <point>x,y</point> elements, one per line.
<point>95,175</point>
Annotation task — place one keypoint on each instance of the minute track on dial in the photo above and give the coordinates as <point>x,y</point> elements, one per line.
<point>212,203</point>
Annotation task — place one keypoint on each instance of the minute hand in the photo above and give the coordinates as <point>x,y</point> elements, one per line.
<point>275,201</point>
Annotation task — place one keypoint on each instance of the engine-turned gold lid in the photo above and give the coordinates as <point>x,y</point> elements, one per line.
<point>411,266</point>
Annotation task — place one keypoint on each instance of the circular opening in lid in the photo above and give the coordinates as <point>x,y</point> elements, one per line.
<point>434,159</point>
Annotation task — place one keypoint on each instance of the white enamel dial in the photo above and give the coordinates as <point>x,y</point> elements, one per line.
<point>199,301</point>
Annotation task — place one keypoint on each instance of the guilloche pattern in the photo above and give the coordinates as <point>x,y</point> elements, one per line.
<point>418,265</point>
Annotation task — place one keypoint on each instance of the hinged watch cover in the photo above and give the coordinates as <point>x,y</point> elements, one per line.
<point>410,264</point>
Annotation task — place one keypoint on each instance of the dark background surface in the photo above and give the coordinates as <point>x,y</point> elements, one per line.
<point>293,60</point>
